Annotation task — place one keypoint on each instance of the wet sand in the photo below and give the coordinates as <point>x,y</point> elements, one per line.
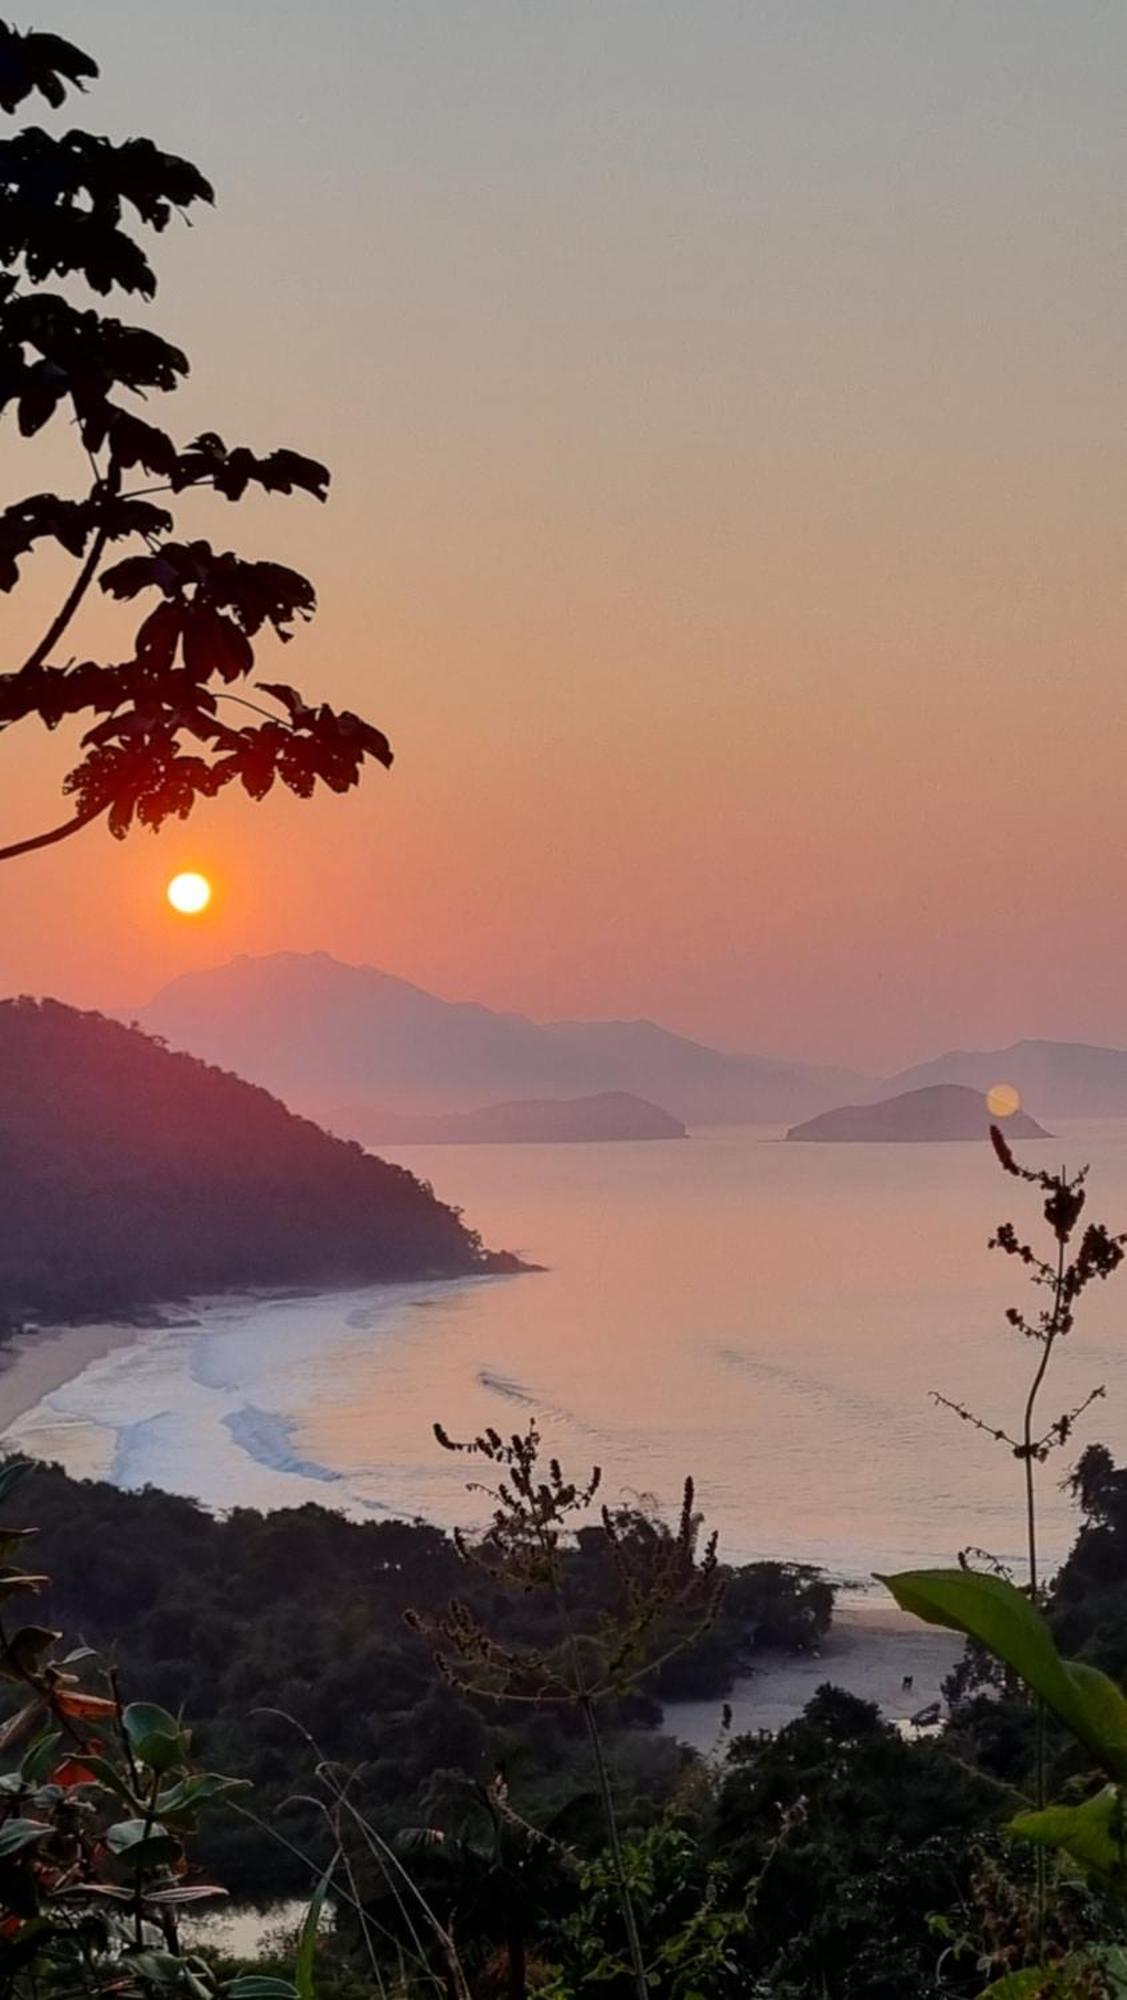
<point>32,1365</point>
<point>872,1647</point>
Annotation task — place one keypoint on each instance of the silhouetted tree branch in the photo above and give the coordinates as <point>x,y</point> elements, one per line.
<point>155,745</point>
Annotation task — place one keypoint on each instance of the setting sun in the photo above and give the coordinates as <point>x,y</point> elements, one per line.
<point>189,894</point>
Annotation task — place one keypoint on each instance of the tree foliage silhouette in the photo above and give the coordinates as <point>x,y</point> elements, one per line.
<point>163,734</point>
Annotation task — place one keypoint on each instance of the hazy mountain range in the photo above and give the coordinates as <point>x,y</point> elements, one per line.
<point>351,1045</point>
<point>360,1049</point>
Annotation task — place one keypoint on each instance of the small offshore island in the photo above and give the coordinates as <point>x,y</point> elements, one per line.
<point>606,1116</point>
<point>940,1112</point>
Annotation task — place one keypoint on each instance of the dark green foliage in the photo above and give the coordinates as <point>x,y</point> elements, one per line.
<point>1089,1605</point>
<point>97,1814</point>
<point>70,206</point>
<point>304,1611</point>
<point>132,1174</point>
<point>827,1816</point>
<point>692,1922</point>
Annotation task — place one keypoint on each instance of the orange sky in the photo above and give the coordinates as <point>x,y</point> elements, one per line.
<point>725,406</point>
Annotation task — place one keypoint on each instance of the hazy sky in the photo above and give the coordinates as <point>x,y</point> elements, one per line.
<point>726,405</point>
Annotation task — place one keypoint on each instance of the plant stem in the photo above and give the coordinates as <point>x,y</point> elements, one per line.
<point>1034,1579</point>
<point>1028,1420</point>
<point>634,1942</point>
<point>586,1704</point>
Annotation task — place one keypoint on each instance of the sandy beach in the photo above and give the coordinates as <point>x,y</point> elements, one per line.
<point>871,1650</point>
<point>34,1364</point>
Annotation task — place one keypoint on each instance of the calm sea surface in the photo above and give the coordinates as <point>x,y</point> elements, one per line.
<point>768,1317</point>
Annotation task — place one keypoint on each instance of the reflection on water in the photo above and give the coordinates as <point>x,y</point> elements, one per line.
<point>768,1317</point>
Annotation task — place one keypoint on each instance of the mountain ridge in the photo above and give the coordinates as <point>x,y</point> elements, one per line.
<point>1064,1079</point>
<point>351,1044</point>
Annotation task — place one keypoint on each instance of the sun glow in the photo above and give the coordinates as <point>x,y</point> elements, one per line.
<point>1002,1100</point>
<point>189,894</point>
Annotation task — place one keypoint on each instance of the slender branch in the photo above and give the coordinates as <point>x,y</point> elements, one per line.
<point>70,603</point>
<point>1027,1424</point>
<point>271,714</point>
<point>1052,1331</point>
<point>56,834</point>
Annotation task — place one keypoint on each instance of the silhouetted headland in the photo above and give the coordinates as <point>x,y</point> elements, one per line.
<point>133,1175</point>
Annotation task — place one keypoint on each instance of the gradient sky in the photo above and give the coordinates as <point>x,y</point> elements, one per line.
<point>726,404</point>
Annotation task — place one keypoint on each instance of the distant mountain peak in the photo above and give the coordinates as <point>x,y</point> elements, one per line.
<point>363,1041</point>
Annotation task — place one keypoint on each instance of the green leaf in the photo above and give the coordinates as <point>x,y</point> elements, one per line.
<point>256,1986</point>
<point>204,1788</point>
<point>142,1845</point>
<point>24,1651</point>
<point>16,1834</point>
<point>1021,1985</point>
<point>1041,1982</point>
<point>307,1943</point>
<point>16,1727</point>
<point>40,1756</point>
<point>1003,1619</point>
<point>111,1778</point>
<point>190,1892</point>
<point>154,1736</point>
<point>1091,1834</point>
<point>163,1968</point>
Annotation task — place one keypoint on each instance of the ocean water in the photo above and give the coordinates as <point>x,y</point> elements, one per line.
<point>770,1318</point>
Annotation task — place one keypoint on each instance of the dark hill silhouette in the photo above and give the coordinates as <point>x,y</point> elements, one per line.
<point>131,1174</point>
<point>350,1044</point>
<point>941,1111</point>
<point>611,1115</point>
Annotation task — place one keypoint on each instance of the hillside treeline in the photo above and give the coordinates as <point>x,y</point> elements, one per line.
<point>132,1174</point>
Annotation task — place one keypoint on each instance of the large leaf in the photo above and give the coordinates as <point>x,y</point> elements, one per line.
<point>183,1801</point>
<point>141,1844</point>
<point>1092,1834</point>
<point>1042,1982</point>
<point>110,1778</point>
<point>154,1736</point>
<point>1003,1619</point>
<point>16,1834</point>
<point>1025,1985</point>
<point>260,1986</point>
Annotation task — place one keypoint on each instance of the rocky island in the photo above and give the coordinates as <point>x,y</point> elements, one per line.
<point>941,1111</point>
<point>608,1115</point>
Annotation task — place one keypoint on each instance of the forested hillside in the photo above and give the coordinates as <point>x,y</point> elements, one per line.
<point>132,1174</point>
<point>302,1610</point>
<point>833,1861</point>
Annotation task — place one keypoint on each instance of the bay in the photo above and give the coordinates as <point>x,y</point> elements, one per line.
<point>770,1318</point>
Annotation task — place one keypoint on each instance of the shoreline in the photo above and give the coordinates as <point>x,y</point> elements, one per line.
<point>872,1647</point>
<point>34,1365</point>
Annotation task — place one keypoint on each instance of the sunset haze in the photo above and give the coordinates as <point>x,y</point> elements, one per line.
<point>725,413</point>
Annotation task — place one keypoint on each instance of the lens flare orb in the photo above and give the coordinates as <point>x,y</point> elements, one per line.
<point>1002,1100</point>
<point>189,893</point>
